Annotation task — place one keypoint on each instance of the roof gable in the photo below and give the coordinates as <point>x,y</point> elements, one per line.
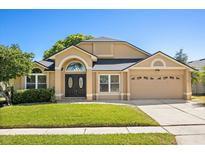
<point>167,60</point>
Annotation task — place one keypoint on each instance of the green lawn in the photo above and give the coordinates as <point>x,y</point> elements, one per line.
<point>123,139</point>
<point>72,115</point>
<point>200,99</point>
<point>2,99</point>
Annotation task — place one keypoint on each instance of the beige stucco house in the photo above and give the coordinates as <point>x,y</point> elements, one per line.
<point>105,68</point>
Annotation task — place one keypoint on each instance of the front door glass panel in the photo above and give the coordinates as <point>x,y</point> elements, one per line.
<point>81,82</point>
<point>70,82</point>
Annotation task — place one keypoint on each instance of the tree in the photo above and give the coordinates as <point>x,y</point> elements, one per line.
<point>196,78</point>
<point>68,41</point>
<point>180,56</point>
<point>203,75</point>
<point>13,63</point>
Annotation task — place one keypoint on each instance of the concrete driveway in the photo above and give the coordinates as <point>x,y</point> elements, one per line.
<point>184,119</point>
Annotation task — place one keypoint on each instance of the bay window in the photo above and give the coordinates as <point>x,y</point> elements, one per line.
<point>109,83</point>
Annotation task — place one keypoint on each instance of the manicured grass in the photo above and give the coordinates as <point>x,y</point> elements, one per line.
<point>72,115</point>
<point>125,139</point>
<point>2,99</point>
<point>200,99</point>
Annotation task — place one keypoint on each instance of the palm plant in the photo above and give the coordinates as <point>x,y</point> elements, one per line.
<point>196,78</point>
<point>202,74</point>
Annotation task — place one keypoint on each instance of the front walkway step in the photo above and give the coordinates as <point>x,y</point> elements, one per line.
<point>87,130</point>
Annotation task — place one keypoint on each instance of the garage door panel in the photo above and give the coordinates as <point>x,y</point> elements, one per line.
<point>156,86</point>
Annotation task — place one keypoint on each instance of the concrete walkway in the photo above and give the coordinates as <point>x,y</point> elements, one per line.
<point>88,130</point>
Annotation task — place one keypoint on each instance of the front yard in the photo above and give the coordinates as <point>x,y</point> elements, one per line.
<point>200,99</point>
<point>2,99</point>
<point>114,139</point>
<point>72,115</point>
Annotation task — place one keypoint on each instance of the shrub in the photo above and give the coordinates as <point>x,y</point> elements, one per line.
<point>33,96</point>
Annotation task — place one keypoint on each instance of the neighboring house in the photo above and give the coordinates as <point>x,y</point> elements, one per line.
<point>199,88</point>
<point>105,68</point>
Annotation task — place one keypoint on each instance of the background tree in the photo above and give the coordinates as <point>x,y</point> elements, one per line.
<point>180,56</point>
<point>203,75</point>
<point>68,41</point>
<point>13,63</point>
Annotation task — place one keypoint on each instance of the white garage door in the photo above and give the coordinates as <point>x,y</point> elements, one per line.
<point>161,86</point>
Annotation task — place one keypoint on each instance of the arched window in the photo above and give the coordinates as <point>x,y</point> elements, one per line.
<point>36,70</point>
<point>76,67</point>
<point>158,63</point>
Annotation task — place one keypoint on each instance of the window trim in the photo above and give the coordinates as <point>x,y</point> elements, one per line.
<point>109,84</point>
<point>160,60</point>
<point>36,80</point>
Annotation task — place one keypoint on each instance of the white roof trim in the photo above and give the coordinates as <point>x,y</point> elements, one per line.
<point>94,58</point>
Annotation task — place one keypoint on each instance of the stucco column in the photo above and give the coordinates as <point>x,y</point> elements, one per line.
<point>128,85</point>
<point>97,84</point>
<point>121,86</point>
<point>187,84</point>
<point>58,92</point>
<point>89,85</point>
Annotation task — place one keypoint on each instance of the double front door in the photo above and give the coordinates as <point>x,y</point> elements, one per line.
<point>75,85</point>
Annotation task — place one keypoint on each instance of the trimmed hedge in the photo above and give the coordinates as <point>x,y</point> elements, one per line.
<point>33,96</point>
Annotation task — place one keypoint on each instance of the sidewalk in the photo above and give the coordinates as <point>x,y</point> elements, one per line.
<point>86,130</point>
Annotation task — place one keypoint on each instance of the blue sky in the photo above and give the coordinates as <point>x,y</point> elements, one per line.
<point>152,30</point>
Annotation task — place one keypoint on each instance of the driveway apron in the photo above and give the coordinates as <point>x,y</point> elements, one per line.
<point>184,119</point>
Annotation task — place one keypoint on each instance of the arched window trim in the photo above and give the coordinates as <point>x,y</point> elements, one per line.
<point>156,60</point>
<point>37,68</point>
<point>66,68</point>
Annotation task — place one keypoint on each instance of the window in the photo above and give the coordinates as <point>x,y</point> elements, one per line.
<point>30,82</point>
<point>41,81</point>
<point>139,78</point>
<point>36,80</point>
<point>36,70</point>
<point>158,63</point>
<point>104,83</point>
<point>114,84</point>
<point>76,67</point>
<point>109,83</point>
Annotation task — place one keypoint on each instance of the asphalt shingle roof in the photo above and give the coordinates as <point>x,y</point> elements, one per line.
<point>101,39</point>
<point>100,65</point>
<point>198,64</point>
<point>49,64</point>
<point>114,64</point>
